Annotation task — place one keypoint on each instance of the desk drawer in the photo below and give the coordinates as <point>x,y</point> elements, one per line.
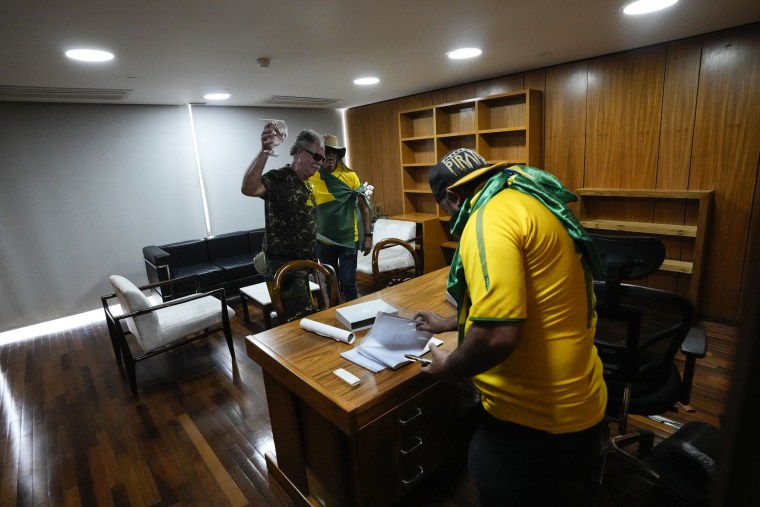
<point>403,463</point>
<point>423,409</point>
<point>397,451</point>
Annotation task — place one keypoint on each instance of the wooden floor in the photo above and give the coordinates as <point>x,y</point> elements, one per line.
<point>71,433</point>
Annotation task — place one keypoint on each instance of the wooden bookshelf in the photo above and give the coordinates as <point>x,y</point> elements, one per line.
<point>680,218</point>
<point>502,128</point>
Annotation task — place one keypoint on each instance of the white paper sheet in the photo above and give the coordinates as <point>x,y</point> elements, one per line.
<point>390,338</point>
<point>357,357</point>
<point>354,356</point>
<point>335,333</point>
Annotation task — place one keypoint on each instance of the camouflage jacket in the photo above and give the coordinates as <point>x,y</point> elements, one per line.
<point>290,215</point>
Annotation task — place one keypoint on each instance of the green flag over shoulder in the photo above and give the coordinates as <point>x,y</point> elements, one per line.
<point>552,193</point>
<point>337,218</point>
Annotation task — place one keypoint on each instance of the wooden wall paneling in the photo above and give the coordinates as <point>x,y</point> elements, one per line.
<point>536,80</point>
<point>461,92</point>
<point>565,123</point>
<point>374,133</point>
<point>725,156</point>
<point>681,81</point>
<point>386,158</point>
<point>624,109</point>
<point>627,126</point>
<point>499,85</point>
<point>750,260</point>
<point>678,109</point>
<point>415,101</point>
<point>360,146</point>
<point>440,96</point>
<point>359,143</point>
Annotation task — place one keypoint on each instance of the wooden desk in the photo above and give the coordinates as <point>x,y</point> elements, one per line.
<point>366,445</point>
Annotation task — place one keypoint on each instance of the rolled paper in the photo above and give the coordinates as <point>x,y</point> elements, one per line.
<point>336,333</point>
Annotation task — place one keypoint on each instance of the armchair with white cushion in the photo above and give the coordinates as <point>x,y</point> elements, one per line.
<point>393,258</point>
<point>162,327</point>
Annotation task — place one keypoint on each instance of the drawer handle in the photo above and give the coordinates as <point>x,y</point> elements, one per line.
<point>417,413</point>
<point>417,442</point>
<point>414,479</point>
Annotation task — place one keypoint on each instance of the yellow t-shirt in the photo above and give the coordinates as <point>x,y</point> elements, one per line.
<point>521,265</point>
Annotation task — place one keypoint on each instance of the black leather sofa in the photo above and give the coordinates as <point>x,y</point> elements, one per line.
<point>222,261</point>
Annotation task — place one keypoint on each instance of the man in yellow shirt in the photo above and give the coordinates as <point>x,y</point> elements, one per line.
<point>522,278</point>
<point>343,218</point>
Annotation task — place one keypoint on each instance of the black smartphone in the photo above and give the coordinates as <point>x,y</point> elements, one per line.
<point>418,359</point>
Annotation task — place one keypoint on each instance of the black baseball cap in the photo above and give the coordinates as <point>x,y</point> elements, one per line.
<point>456,168</point>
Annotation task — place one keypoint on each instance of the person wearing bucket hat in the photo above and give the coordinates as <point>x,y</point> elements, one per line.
<point>343,217</point>
<point>522,276</point>
<point>289,212</point>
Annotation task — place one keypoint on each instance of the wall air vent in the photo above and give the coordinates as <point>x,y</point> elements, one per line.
<point>288,100</point>
<point>8,92</point>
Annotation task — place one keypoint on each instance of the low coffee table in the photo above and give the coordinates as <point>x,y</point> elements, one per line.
<point>258,296</point>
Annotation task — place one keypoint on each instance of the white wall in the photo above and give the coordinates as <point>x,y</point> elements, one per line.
<point>83,187</point>
<point>228,139</point>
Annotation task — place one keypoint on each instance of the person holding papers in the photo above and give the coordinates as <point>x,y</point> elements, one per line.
<point>522,279</point>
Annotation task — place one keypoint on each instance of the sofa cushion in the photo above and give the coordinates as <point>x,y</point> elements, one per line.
<point>209,275</point>
<point>189,317</point>
<point>236,267</point>
<point>227,245</point>
<point>186,253</point>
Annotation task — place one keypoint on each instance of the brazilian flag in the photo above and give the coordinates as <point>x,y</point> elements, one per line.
<point>337,218</point>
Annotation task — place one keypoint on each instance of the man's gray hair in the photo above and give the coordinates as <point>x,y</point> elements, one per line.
<point>305,139</point>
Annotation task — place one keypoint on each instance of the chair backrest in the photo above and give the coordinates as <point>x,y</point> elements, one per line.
<point>639,329</point>
<point>391,228</point>
<point>324,276</point>
<point>395,269</point>
<point>390,256</point>
<point>144,327</point>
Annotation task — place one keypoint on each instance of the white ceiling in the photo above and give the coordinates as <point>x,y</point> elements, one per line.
<point>175,51</point>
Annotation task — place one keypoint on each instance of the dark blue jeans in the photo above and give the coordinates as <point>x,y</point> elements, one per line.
<point>343,261</point>
<point>516,465</point>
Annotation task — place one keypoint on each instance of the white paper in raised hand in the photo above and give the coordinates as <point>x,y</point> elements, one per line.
<point>335,333</point>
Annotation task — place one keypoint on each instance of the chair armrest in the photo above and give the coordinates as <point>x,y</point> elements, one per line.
<point>157,256</point>
<point>194,278</point>
<point>156,263</point>
<point>104,299</point>
<point>694,346</point>
<point>216,292</point>
<point>695,343</point>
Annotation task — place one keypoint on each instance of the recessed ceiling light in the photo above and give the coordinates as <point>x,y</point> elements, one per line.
<point>89,55</point>
<point>216,96</point>
<point>366,81</point>
<point>462,53</point>
<point>647,6</point>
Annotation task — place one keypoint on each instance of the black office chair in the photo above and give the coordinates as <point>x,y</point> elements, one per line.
<point>639,331</point>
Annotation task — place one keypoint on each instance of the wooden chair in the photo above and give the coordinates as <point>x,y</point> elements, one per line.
<point>388,275</point>
<point>163,327</point>
<point>323,274</point>
<point>391,262</point>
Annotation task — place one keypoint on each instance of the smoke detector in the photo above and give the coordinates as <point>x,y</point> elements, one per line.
<point>263,62</point>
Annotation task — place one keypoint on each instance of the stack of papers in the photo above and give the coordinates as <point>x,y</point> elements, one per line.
<point>390,338</point>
